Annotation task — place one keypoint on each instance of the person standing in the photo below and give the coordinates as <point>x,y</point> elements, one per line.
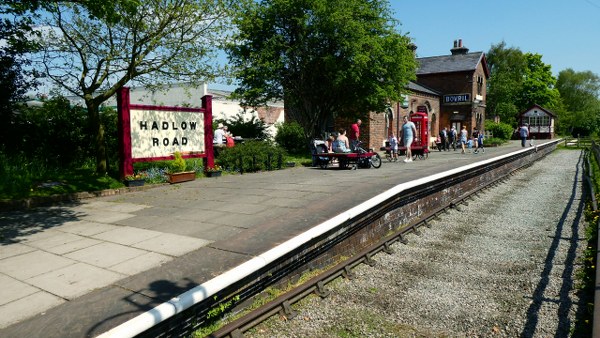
<point>523,133</point>
<point>444,139</point>
<point>409,130</point>
<point>475,136</point>
<point>480,143</point>
<point>452,138</point>
<point>354,134</point>
<point>463,138</point>
<point>393,146</point>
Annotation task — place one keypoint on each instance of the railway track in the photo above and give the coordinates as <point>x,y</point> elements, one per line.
<point>360,232</point>
<point>284,305</point>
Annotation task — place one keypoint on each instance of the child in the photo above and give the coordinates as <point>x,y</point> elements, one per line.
<point>393,146</point>
<point>480,143</point>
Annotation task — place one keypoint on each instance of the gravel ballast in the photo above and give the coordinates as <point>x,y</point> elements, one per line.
<point>503,266</point>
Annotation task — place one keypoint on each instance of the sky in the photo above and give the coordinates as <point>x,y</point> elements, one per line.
<point>565,32</point>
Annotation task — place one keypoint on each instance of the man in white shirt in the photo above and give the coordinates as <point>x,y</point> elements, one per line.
<point>219,136</point>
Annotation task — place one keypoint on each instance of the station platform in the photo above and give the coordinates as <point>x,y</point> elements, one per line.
<point>83,268</point>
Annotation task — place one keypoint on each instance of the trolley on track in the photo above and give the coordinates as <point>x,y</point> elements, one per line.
<point>361,158</point>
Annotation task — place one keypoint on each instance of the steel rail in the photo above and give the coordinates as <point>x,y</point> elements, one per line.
<point>317,285</point>
<point>437,193</point>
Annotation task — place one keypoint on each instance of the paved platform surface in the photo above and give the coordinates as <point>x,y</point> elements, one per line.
<point>80,269</point>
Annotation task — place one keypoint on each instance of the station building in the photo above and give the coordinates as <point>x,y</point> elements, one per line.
<point>451,89</point>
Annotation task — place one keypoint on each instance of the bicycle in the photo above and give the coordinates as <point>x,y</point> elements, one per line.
<point>371,159</point>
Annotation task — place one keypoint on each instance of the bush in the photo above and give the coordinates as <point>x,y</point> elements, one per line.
<point>493,141</point>
<point>254,128</point>
<point>500,130</point>
<point>252,156</point>
<point>178,165</point>
<point>290,136</point>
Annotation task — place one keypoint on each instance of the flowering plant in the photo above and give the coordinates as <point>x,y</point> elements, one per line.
<point>138,176</point>
<point>213,169</point>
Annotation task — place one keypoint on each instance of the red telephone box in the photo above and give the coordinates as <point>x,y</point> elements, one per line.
<point>419,148</point>
<point>421,124</point>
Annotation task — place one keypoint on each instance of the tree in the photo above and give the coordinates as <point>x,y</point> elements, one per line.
<point>580,93</point>
<point>507,69</point>
<point>91,51</point>
<point>538,85</point>
<point>324,58</point>
<point>518,81</point>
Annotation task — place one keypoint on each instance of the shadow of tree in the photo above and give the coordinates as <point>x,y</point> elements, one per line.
<point>15,226</point>
<point>565,301</point>
<point>158,292</point>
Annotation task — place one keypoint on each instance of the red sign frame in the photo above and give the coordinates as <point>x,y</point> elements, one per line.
<point>124,108</point>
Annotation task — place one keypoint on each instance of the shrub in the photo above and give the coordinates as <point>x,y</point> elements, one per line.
<point>178,164</point>
<point>254,128</point>
<point>499,130</point>
<point>252,156</point>
<point>290,136</point>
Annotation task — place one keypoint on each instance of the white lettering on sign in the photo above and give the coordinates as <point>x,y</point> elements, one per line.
<point>457,98</point>
<point>161,133</point>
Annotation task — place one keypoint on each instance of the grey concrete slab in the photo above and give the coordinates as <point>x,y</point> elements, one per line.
<point>32,264</point>
<point>13,289</point>
<point>140,263</point>
<point>86,228</point>
<point>105,217</point>
<point>15,249</point>
<point>105,254</point>
<point>74,280</point>
<point>115,207</point>
<point>73,246</point>
<point>26,307</point>
<point>126,235</point>
<point>170,244</point>
<point>58,238</point>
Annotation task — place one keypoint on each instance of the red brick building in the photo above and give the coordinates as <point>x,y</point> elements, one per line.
<point>450,88</point>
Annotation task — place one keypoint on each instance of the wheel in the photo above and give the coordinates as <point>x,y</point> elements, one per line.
<point>323,164</point>
<point>376,161</point>
<point>343,162</point>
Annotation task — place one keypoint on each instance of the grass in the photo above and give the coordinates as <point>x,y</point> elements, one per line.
<point>22,178</point>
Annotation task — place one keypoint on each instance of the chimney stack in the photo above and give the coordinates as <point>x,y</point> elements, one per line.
<point>459,49</point>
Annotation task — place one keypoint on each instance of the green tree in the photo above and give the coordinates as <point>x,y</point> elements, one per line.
<point>324,58</point>
<point>580,93</point>
<point>518,81</point>
<point>538,85</point>
<point>90,51</point>
<point>507,69</point>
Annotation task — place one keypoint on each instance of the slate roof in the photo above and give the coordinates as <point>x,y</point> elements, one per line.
<point>538,107</point>
<point>451,63</point>
<point>423,89</point>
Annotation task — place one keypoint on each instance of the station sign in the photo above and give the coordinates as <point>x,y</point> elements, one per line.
<point>457,98</point>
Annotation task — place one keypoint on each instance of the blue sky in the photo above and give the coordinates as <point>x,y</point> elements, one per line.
<point>565,32</point>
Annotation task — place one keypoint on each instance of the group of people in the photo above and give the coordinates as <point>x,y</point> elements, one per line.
<point>408,135</point>
<point>449,137</point>
<point>342,143</point>
<point>222,138</point>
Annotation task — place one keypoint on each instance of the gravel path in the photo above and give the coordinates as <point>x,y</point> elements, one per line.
<point>503,266</point>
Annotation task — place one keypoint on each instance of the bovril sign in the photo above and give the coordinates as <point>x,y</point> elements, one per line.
<point>457,98</point>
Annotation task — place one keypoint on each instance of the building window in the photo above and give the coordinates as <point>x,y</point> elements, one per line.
<point>479,85</point>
